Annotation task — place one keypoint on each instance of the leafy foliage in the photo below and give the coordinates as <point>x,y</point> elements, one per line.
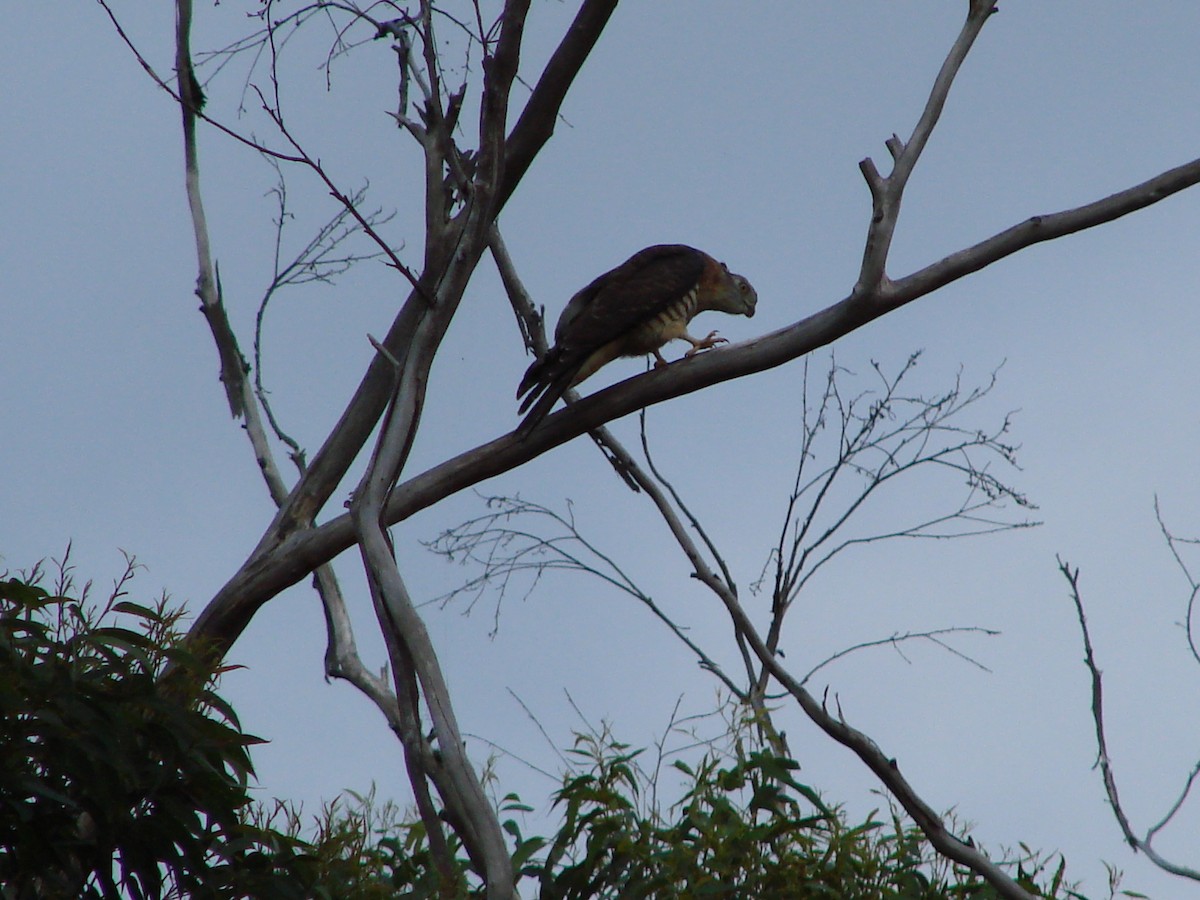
<point>116,781</point>
<point>743,826</point>
<point>119,778</point>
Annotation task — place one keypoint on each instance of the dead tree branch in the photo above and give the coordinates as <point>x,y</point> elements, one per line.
<point>535,126</point>
<point>460,241</point>
<point>510,557</point>
<point>886,193</point>
<point>322,259</point>
<point>1174,544</point>
<point>1104,761</point>
<point>884,767</point>
<point>314,262</point>
<point>416,672</point>
<point>191,99</point>
<point>936,636</point>
<point>876,438</point>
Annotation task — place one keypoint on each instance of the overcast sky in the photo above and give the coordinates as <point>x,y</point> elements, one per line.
<point>736,128</point>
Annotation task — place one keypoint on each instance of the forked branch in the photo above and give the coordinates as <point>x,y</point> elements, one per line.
<point>886,193</point>
<point>1104,762</point>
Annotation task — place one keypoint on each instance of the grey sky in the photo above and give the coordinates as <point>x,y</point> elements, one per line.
<point>736,128</point>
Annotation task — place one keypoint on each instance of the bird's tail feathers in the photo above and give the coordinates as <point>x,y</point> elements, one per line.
<point>540,410</point>
<point>542,399</point>
<point>537,391</point>
<point>539,374</point>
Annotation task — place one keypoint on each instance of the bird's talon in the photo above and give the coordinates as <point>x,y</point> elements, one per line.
<point>709,341</point>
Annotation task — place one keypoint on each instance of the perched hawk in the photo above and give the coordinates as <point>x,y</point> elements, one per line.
<point>631,311</point>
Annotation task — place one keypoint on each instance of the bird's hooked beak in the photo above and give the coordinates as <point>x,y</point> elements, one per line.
<point>749,297</point>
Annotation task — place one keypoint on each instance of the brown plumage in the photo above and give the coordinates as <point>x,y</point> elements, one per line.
<point>631,311</point>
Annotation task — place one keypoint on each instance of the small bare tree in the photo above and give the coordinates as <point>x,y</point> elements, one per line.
<point>467,175</point>
<point>852,449</point>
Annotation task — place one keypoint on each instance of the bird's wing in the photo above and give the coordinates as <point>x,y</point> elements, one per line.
<point>631,294</point>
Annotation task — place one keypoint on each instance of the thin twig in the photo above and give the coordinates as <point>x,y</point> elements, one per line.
<point>502,551</point>
<point>683,508</point>
<point>895,640</point>
<point>1194,585</point>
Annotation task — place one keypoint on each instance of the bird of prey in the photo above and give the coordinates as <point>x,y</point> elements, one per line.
<point>633,310</point>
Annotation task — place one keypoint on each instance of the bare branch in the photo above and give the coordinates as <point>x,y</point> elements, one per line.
<point>550,742</point>
<point>313,262</point>
<point>415,662</point>
<point>502,551</point>
<point>183,21</point>
<point>341,652</point>
<point>191,99</point>
<point>413,657</point>
<point>1104,761</point>
<point>886,193</point>
<point>893,437</point>
<point>683,508</point>
<point>530,320</point>
<point>884,767</point>
<point>350,438</point>
<point>536,123</point>
<point>912,431</point>
<point>1173,544</point>
<point>1162,823</point>
<point>334,191</point>
<point>1037,229</point>
<point>499,69</point>
<point>935,637</point>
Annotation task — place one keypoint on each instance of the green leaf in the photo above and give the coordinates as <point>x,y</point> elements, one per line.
<point>525,851</point>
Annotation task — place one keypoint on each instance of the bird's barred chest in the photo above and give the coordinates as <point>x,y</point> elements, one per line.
<point>669,324</point>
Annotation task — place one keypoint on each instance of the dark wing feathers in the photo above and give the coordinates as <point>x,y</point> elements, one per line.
<point>634,292</point>
<point>604,311</point>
